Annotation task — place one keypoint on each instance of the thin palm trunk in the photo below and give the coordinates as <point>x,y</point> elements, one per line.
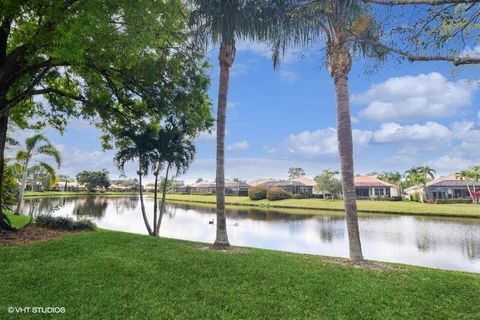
<point>22,187</point>
<point>226,56</point>
<point>155,204</point>
<point>142,204</point>
<point>4,222</point>
<point>345,148</point>
<point>164,196</point>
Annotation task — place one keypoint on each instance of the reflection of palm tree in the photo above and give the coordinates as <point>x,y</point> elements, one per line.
<point>471,248</point>
<point>91,207</point>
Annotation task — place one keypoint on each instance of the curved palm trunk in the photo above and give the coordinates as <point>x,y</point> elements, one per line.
<point>22,188</point>
<point>4,222</point>
<point>155,204</point>
<point>340,64</point>
<point>164,195</point>
<point>142,204</point>
<point>226,56</point>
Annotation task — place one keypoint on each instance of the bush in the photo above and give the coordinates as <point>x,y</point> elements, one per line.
<point>276,193</point>
<point>300,196</point>
<point>64,223</point>
<point>257,193</point>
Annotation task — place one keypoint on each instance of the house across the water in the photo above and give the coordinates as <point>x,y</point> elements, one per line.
<point>371,187</point>
<point>207,187</point>
<point>449,187</point>
<point>290,186</point>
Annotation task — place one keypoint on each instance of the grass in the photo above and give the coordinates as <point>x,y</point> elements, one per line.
<point>17,221</point>
<point>368,206</point>
<point>114,275</point>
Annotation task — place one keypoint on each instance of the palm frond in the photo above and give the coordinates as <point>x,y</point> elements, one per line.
<point>51,150</point>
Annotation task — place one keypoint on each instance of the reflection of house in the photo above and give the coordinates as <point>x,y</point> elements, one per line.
<point>292,187</point>
<point>206,187</point>
<point>308,182</point>
<point>68,186</point>
<point>371,187</point>
<point>448,187</point>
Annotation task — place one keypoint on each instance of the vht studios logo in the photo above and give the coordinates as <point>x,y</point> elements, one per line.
<point>44,310</point>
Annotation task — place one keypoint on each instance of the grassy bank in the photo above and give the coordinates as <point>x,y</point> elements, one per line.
<point>392,207</point>
<point>30,194</point>
<point>113,275</point>
<point>17,221</point>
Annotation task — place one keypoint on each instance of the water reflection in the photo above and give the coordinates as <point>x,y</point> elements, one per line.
<point>436,242</point>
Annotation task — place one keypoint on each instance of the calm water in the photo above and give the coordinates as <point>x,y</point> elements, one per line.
<point>444,243</point>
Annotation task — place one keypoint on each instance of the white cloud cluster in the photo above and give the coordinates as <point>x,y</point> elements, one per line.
<point>471,52</point>
<point>415,97</point>
<point>394,132</point>
<point>239,146</point>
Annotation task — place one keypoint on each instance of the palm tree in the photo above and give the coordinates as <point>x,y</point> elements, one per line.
<point>426,172</point>
<point>138,144</point>
<point>176,150</point>
<point>34,146</point>
<point>223,22</point>
<point>394,178</point>
<point>341,23</point>
<point>471,174</point>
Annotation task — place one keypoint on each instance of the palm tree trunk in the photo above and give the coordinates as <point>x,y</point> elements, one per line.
<point>164,195</point>
<point>226,57</point>
<point>345,148</point>
<point>155,204</point>
<point>4,222</point>
<point>142,204</point>
<point>22,187</point>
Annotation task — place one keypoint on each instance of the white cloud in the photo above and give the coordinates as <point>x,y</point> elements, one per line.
<point>414,97</point>
<point>469,52</point>
<point>394,132</point>
<point>450,163</point>
<point>262,49</point>
<point>322,142</point>
<point>288,76</point>
<point>239,146</point>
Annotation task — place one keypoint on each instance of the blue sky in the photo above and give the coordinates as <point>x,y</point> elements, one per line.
<point>403,114</point>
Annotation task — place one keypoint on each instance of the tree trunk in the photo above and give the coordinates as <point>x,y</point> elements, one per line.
<point>345,148</point>
<point>155,204</point>
<point>164,195</point>
<point>4,222</point>
<point>23,186</point>
<point>142,205</point>
<point>226,57</point>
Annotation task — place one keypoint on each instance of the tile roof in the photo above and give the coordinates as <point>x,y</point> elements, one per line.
<point>306,181</point>
<point>369,181</point>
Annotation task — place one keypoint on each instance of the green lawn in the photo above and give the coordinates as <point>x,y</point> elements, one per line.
<point>113,275</point>
<point>397,207</point>
<point>17,221</point>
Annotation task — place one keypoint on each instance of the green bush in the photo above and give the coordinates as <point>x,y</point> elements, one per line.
<point>276,193</point>
<point>64,223</point>
<point>257,193</point>
<point>300,196</point>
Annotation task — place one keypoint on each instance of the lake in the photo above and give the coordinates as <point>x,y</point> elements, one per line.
<point>445,243</point>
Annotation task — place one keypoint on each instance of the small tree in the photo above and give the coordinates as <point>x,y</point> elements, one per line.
<point>294,173</point>
<point>94,179</point>
<point>327,182</point>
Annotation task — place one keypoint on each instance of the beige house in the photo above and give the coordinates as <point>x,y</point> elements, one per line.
<point>371,187</point>
<point>308,182</point>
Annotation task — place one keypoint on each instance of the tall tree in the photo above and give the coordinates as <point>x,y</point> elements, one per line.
<point>71,52</point>
<point>223,22</point>
<point>294,173</point>
<point>138,144</point>
<point>426,171</point>
<point>176,150</point>
<point>340,23</point>
<point>94,179</point>
<point>327,182</point>
<point>35,146</point>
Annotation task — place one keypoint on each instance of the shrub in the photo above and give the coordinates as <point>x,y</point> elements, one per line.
<point>257,193</point>
<point>64,223</point>
<point>276,193</point>
<point>300,196</point>
<point>415,197</point>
